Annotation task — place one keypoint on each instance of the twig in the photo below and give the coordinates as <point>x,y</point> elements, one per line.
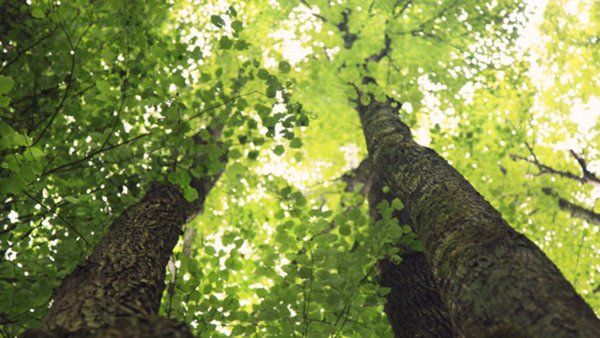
<point>89,156</point>
<point>69,225</point>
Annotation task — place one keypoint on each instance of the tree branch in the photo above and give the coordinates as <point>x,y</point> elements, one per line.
<point>587,177</point>
<point>575,210</point>
<point>92,154</point>
<point>69,225</point>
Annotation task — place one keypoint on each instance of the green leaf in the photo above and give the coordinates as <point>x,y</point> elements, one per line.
<point>253,154</point>
<point>299,198</point>
<point>103,86</point>
<point>10,138</point>
<point>234,154</point>
<point>217,21</point>
<point>284,67</point>
<point>263,74</point>
<point>108,55</point>
<point>190,193</point>
<point>261,293</point>
<point>72,199</point>
<point>6,84</point>
<point>304,272</point>
<point>237,26</point>
<point>38,13</point>
<point>354,214</point>
<point>339,219</point>
<point>225,43</point>
<point>4,101</point>
<point>36,152</point>
<point>345,230</point>
<point>14,184</point>
<point>241,44</point>
<point>272,91</point>
<point>302,121</point>
<point>278,150</point>
<point>296,143</point>
<point>286,191</point>
<point>333,299</point>
<point>231,11</point>
<point>397,204</point>
<point>384,291</point>
<point>181,177</point>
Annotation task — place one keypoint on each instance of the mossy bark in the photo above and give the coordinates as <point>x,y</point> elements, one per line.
<point>489,276</point>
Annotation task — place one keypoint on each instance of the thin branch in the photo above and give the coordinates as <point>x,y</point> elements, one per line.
<point>544,169</point>
<point>69,78</point>
<point>575,210</point>
<point>406,4</point>
<point>123,92</point>
<point>25,50</point>
<point>69,225</point>
<point>224,103</point>
<point>438,15</point>
<point>322,18</point>
<point>92,154</point>
<point>591,178</point>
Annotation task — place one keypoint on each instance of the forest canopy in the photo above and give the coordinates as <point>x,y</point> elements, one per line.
<point>246,121</point>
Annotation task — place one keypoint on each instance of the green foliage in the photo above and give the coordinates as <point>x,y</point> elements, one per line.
<point>98,99</point>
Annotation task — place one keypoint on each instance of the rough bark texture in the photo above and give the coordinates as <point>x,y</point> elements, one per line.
<point>122,281</point>
<point>413,307</point>
<point>492,279</point>
<point>116,292</point>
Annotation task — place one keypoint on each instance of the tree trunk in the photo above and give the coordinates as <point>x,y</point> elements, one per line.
<point>117,291</point>
<point>414,307</point>
<point>493,280</point>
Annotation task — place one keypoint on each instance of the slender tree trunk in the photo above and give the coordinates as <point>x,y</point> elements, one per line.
<point>117,291</point>
<point>493,280</point>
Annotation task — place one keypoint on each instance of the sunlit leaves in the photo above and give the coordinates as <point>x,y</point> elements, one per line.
<point>274,257</point>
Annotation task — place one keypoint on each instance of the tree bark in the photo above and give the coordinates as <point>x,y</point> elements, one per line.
<point>492,279</point>
<point>117,291</point>
<point>414,307</point>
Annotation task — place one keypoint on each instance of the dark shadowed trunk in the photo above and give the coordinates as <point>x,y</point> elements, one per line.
<point>492,279</point>
<point>117,291</point>
<point>414,307</point>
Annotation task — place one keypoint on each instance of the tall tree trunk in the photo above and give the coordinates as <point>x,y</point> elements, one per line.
<point>117,291</point>
<point>414,307</point>
<point>493,280</point>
